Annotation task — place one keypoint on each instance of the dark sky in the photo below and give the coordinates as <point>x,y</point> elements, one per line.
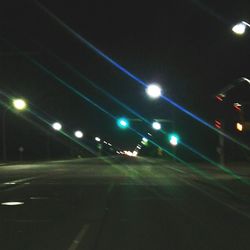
<point>186,46</point>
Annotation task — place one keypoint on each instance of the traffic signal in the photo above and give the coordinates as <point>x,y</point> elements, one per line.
<point>239,126</point>
<point>122,123</point>
<point>220,97</point>
<point>237,106</point>
<point>217,124</point>
<point>174,139</point>
<point>144,141</point>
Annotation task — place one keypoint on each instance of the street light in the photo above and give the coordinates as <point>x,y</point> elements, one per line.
<point>98,139</point>
<point>223,93</point>
<point>57,126</point>
<point>19,104</point>
<point>237,106</point>
<point>239,126</point>
<point>240,28</point>
<point>242,79</point>
<point>153,90</point>
<point>78,134</point>
<point>156,125</point>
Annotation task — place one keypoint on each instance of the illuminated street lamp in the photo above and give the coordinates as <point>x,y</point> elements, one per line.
<point>154,91</point>
<point>240,28</point>
<point>98,139</point>
<point>156,125</point>
<point>78,134</point>
<point>19,104</point>
<point>99,145</point>
<point>57,126</point>
<point>239,126</point>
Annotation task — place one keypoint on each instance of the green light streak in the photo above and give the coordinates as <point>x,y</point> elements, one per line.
<point>125,106</point>
<point>107,94</point>
<point>129,172</point>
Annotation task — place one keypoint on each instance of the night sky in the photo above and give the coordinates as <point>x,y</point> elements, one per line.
<point>185,46</point>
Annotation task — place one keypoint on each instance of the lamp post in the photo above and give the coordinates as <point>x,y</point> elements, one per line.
<point>78,134</point>
<point>240,28</point>
<point>156,125</point>
<point>223,92</point>
<point>57,126</point>
<point>19,105</point>
<point>154,91</point>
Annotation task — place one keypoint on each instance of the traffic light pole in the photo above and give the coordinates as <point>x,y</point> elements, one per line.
<point>221,149</point>
<point>219,124</point>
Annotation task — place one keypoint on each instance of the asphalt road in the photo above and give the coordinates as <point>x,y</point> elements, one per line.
<point>123,204</point>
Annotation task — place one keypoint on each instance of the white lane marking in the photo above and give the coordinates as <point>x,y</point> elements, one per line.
<point>9,183</point>
<point>12,203</point>
<point>19,181</point>
<point>14,182</point>
<point>78,238</point>
<point>39,198</point>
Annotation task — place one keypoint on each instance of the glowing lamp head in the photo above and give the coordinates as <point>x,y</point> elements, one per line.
<point>78,134</point>
<point>237,106</point>
<point>156,125</point>
<point>239,126</point>
<point>57,126</point>
<point>19,104</point>
<point>98,139</point>
<point>144,142</point>
<point>154,91</point>
<point>239,28</point>
<point>220,97</point>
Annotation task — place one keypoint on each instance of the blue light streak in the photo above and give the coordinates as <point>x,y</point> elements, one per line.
<point>124,70</point>
<point>142,118</point>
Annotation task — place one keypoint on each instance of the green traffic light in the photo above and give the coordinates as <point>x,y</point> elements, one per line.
<point>174,139</point>
<point>123,123</point>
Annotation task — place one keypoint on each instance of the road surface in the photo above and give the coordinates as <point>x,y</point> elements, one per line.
<point>123,204</point>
